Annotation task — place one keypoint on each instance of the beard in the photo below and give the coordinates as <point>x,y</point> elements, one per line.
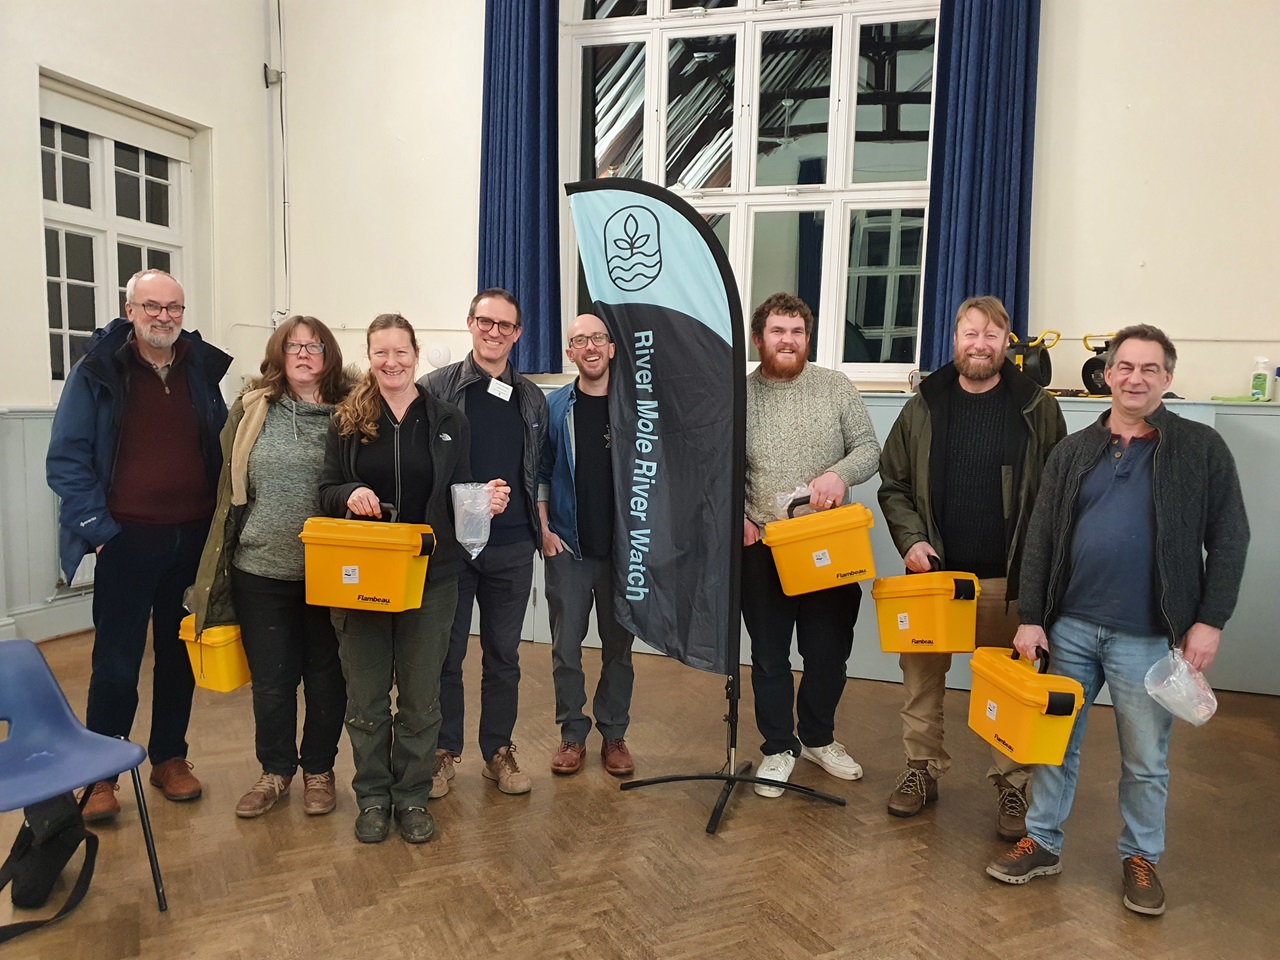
<point>978,370</point>
<point>158,338</point>
<point>782,366</point>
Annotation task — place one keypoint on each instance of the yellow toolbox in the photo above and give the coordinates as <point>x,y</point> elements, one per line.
<point>366,564</point>
<point>824,549</point>
<point>217,656</point>
<point>927,612</point>
<point>1026,714</point>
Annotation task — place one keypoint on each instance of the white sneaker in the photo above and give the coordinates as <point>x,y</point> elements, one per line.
<point>833,759</point>
<point>775,766</point>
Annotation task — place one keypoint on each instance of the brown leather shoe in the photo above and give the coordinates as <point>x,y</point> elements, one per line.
<point>616,757</point>
<point>318,794</point>
<point>175,780</point>
<point>1011,812</point>
<point>568,759</point>
<point>262,796</point>
<point>503,770</point>
<point>915,788</point>
<point>102,804</point>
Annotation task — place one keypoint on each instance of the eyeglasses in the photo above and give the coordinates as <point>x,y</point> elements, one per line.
<point>581,340</point>
<point>155,309</point>
<point>488,323</point>
<point>292,346</point>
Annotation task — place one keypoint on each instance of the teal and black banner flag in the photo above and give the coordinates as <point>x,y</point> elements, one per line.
<point>662,285</point>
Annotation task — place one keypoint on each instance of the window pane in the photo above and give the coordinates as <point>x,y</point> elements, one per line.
<point>719,224</point>
<point>52,258</point>
<point>78,346</point>
<point>787,257</point>
<point>882,312</point>
<point>158,203</point>
<point>895,91</point>
<point>705,4</point>
<point>53,293</point>
<point>128,203</point>
<point>49,175</point>
<point>75,141</point>
<point>75,182</point>
<point>127,157</point>
<point>795,107</point>
<point>79,256</point>
<point>46,132</point>
<point>128,262</point>
<point>157,166</point>
<point>700,111</point>
<point>56,361</point>
<point>158,260</point>
<point>606,9</point>
<point>80,308</point>
<point>613,110</point>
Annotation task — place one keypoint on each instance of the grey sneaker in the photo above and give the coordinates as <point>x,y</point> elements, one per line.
<point>914,788</point>
<point>1011,812</point>
<point>503,770</point>
<point>1026,861</point>
<point>443,773</point>
<point>1142,890</point>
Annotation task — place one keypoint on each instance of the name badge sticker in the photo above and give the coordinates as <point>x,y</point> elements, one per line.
<point>351,574</point>
<point>500,390</point>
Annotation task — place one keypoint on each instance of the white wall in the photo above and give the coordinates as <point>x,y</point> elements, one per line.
<point>384,106</point>
<point>1155,194</point>
<point>200,62</point>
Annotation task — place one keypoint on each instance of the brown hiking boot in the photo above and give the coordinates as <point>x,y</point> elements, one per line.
<point>319,795</point>
<point>1026,861</point>
<point>262,796</point>
<point>102,804</point>
<point>914,788</point>
<point>503,770</point>
<point>568,759</point>
<point>1011,812</point>
<point>1142,890</point>
<point>616,757</point>
<point>442,773</point>
<point>175,779</point>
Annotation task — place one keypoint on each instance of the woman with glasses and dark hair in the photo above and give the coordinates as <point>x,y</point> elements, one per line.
<point>251,572</point>
<point>393,443</point>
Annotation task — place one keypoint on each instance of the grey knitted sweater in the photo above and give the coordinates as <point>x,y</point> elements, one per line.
<point>284,473</point>
<point>799,429</point>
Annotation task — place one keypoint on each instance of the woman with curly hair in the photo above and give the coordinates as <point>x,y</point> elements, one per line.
<point>391,442</point>
<point>251,571</point>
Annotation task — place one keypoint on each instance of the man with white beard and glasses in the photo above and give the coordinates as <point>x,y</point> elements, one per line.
<point>805,425</point>
<point>958,478</point>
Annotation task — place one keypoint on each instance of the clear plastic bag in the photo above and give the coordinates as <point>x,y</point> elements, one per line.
<point>471,516</point>
<point>1181,689</point>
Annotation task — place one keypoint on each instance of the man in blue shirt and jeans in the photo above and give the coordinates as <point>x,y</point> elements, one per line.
<point>1137,544</point>
<point>575,503</point>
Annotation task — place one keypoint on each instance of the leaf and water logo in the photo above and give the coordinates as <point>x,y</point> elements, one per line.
<point>631,248</point>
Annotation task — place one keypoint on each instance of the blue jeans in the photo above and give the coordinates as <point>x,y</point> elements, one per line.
<point>1093,654</point>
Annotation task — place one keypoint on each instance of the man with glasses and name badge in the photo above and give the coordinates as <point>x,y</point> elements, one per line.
<point>134,457</point>
<point>508,416</point>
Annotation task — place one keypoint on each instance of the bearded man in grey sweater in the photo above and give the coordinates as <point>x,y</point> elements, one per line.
<point>805,425</point>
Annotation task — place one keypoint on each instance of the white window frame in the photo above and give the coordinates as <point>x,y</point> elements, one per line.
<point>749,20</point>
<point>107,122</point>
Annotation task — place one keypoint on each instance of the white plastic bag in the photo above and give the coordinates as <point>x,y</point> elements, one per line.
<point>782,502</point>
<point>471,516</point>
<point>1181,689</point>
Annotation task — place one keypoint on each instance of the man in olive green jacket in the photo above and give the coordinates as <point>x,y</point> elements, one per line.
<point>959,474</point>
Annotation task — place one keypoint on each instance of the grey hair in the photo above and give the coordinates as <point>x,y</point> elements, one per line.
<point>141,275</point>
<point>1144,331</point>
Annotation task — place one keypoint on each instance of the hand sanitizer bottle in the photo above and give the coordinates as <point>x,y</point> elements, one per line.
<point>1260,382</point>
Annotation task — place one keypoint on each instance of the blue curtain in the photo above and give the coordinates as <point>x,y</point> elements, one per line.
<point>519,176</point>
<point>983,134</point>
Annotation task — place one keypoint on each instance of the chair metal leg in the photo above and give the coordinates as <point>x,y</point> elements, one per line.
<point>145,819</point>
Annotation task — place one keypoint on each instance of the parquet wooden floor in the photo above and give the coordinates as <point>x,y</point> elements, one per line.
<point>578,869</point>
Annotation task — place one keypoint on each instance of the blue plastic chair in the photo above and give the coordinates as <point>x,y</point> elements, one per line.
<point>49,752</point>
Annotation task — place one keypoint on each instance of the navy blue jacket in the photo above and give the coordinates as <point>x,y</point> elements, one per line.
<point>556,483</point>
<point>86,433</point>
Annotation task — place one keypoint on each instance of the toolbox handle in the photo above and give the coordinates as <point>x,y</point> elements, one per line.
<point>387,508</point>
<point>1042,656</point>
<point>799,502</point>
<point>428,547</point>
<point>963,589</point>
<point>1061,704</point>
